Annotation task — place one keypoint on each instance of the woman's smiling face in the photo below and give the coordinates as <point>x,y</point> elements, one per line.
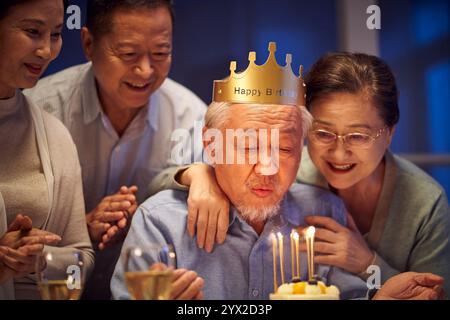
<point>30,38</point>
<point>342,113</point>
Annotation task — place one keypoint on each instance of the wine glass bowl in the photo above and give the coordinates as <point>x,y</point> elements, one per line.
<point>149,271</point>
<point>60,274</point>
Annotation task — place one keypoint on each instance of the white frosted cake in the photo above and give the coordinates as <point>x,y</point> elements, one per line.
<point>304,290</point>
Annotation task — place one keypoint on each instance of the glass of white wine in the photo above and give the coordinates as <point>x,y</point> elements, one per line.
<point>149,271</point>
<point>60,274</point>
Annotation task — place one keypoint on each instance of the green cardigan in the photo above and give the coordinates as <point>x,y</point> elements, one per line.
<point>411,226</point>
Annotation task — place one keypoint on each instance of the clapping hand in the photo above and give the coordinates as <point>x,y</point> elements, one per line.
<point>108,223</point>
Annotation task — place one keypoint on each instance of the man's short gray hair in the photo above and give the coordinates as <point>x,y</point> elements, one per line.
<point>218,114</point>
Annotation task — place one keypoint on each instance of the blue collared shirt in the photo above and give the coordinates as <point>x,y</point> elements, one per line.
<point>242,267</point>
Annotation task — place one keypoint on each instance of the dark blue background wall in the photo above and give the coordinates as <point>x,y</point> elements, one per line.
<point>414,40</point>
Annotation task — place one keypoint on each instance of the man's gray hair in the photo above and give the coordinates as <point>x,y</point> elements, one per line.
<point>218,114</point>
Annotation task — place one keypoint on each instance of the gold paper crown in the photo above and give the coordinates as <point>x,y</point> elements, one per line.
<point>268,84</point>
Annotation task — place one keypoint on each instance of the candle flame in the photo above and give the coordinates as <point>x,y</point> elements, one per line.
<point>295,235</point>
<point>310,232</point>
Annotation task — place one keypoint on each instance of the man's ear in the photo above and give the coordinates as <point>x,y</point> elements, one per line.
<point>87,42</point>
<point>213,145</point>
<point>205,142</point>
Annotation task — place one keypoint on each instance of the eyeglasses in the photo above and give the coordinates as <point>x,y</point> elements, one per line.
<point>354,139</point>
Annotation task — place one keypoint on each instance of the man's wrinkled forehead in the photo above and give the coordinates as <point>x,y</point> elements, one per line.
<point>286,118</point>
<point>121,22</point>
<point>123,19</point>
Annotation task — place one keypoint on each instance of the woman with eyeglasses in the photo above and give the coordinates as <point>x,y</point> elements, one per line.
<point>398,216</point>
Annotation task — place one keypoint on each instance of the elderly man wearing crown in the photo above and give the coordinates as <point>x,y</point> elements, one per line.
<point>253,137</point>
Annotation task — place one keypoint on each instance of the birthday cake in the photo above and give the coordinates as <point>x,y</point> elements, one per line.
<point>314,288</point>
<point>305,290</point>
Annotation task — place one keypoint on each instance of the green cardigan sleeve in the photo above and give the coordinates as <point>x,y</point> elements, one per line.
<point>387,270</point>
<point>431,251</point>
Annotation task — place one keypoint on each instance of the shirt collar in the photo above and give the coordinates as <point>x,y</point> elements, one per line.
<point>153,110</point>
<point>89,97</point>
<point>233,215</point>
<point>92,108</point>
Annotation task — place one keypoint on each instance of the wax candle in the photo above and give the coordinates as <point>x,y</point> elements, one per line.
<point>292,254</point>
<point>309,237</point>
<point>281,251</point>
<point>274,256</point>
<point>297,253</point>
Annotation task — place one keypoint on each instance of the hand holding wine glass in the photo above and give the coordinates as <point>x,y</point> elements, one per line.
<point>149,271</point>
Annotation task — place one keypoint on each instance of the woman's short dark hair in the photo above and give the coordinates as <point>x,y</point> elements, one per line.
<point>100,12</point>
<point>5,5</point>
<point>355,73</point>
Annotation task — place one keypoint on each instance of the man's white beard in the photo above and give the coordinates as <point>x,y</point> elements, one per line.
<point>258,214</point>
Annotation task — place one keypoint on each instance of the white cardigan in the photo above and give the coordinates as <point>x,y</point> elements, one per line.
<point>6,289</point>
<point>66,215</point>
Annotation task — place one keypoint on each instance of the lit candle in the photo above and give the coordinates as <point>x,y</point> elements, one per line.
<point>280,248</point>
<point>274,256</point>
<point>297,253</point>
<point>292,254</point>
<point>309,236</point>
